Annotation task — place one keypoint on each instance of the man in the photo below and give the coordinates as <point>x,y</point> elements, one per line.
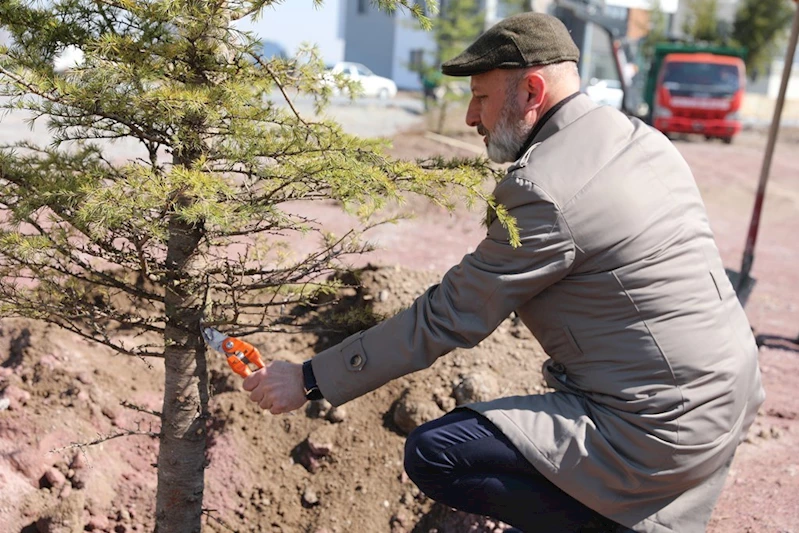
<point>652,360</point>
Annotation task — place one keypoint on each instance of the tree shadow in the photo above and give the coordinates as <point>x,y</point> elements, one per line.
<point>777,342</point>
<point>16,349</point>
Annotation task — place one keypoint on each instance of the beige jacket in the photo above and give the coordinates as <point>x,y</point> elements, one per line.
<point>619,279</point>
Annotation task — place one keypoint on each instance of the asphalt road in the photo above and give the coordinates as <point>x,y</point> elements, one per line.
<point>365,117</point>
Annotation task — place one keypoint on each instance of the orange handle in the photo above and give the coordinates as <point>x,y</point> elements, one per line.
<point>241,353</point>
<point>238,366</point>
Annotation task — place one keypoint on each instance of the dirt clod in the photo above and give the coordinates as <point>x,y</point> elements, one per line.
<point>476,387</point>
<point>413,409</point>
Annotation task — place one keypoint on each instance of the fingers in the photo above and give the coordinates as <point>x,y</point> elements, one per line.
<point>256,384</point>
<point>276,388</point>
<point>265,404</point>
<point>254,379</point>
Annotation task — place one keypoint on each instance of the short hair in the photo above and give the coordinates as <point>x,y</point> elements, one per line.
<point>554,73</point>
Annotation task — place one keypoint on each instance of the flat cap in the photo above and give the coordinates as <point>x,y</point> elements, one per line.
<point>519,41</point>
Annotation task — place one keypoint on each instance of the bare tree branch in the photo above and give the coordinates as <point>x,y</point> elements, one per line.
<point>129,405</point>
<point>104,438</point>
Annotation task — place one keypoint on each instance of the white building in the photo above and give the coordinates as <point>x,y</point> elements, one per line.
<point>390,43</point>
<point>386,43</point>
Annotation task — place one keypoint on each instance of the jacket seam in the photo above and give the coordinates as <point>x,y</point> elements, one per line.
<point>660,349</point>
<point>560,216</point>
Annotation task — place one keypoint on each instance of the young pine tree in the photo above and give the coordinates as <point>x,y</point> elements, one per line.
<point>194,228</point>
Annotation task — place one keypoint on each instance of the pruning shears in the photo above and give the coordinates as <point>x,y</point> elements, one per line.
<point>239,354</point>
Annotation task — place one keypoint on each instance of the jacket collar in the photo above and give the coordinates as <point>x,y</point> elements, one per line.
<point>558,117</point>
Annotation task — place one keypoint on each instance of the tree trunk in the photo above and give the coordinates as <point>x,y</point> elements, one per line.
<point>181,459</point>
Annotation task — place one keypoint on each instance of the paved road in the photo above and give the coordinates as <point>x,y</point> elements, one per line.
<point>370,117</point>
<point>366,117</point>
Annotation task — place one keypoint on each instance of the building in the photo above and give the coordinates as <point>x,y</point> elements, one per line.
<point>389,44</point>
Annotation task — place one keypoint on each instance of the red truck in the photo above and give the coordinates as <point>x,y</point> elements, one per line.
<point>698,92</point>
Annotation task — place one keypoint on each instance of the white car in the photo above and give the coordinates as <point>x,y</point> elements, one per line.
<point>605,92</point>
<point>371,83</point>
<point>69,58</point>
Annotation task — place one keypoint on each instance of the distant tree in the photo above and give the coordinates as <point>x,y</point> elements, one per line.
<point>759,26</point>
<point>514,7</point>
<point>656,31</point>
<point>702,23</point>
<point>457,25</point>
<point>199,226</point>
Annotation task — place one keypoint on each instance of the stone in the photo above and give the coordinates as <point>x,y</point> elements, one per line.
<point>16,397</point>
<point>52,478</point>
<point>336,415</point>
<point>98,523</point>
<point>321,441</point>
<point>414,409</point>
<point>476,387</point>
<point>309,497</point>
<point>318,408</point>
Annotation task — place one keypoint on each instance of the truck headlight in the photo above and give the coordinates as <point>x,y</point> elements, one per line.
<point>661,112</point>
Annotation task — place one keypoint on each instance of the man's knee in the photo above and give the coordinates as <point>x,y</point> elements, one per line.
<point>422,460</point>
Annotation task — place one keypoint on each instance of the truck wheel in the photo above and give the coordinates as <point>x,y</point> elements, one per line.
<point>727,140</point>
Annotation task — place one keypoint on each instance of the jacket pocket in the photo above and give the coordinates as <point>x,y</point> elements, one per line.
<point>572,341</point>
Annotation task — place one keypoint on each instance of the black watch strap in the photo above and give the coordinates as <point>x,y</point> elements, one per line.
<point>312,391</point>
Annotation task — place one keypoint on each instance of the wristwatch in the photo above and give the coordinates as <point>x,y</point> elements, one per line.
<point>312,391</point>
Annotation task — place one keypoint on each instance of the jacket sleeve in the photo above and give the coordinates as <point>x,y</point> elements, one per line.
<point>472,299</point>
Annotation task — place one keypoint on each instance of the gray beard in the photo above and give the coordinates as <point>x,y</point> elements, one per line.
<point>508,137</point>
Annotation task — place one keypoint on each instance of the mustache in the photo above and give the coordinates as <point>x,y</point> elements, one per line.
<point>481,130</point>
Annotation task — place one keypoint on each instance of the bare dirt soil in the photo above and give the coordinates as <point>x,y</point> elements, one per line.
<point>340,470</point>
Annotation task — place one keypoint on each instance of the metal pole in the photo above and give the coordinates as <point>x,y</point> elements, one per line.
<point>754,225</point>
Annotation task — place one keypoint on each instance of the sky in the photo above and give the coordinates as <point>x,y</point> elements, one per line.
<point>296,21</point>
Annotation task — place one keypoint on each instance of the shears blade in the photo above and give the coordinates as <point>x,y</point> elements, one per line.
<point>214,338</point>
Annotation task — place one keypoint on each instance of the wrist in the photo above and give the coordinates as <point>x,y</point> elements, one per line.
<point>309,384</point>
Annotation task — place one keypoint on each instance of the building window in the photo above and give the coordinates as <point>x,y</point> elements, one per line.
<point>417,60</point>
<point>363,6</point>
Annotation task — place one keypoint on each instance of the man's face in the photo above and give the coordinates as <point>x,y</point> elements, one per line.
<point>496,110</point>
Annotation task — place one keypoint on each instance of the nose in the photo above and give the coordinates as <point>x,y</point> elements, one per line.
<point>472,114</point>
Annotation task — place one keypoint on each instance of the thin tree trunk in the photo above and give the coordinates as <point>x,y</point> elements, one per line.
<point>182,456</point>
<point>181,459</point>
<point>442,113</point>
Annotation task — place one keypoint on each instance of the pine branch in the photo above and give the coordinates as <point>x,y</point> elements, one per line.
<point>96,111</point>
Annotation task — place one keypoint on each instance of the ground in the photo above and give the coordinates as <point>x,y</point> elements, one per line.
<point>340,470</point>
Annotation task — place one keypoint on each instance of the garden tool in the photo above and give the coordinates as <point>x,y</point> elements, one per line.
<point>240,354</point>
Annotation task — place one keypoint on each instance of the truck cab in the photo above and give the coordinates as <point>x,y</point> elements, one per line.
<point>699,92</point>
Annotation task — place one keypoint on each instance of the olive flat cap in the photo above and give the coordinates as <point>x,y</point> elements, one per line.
<point>519,41</point>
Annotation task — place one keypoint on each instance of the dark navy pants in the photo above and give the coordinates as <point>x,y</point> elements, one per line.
<point>462,460</point>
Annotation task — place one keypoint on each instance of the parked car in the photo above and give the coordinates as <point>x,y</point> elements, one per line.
<point>271,49</point>
<point>69,58</point>
<point>371,83</point>
<point>605,92</point>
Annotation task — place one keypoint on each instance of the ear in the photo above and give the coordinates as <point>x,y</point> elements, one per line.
<point>536,88</point>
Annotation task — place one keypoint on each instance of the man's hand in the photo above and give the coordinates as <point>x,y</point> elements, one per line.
<point>278,387</point>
